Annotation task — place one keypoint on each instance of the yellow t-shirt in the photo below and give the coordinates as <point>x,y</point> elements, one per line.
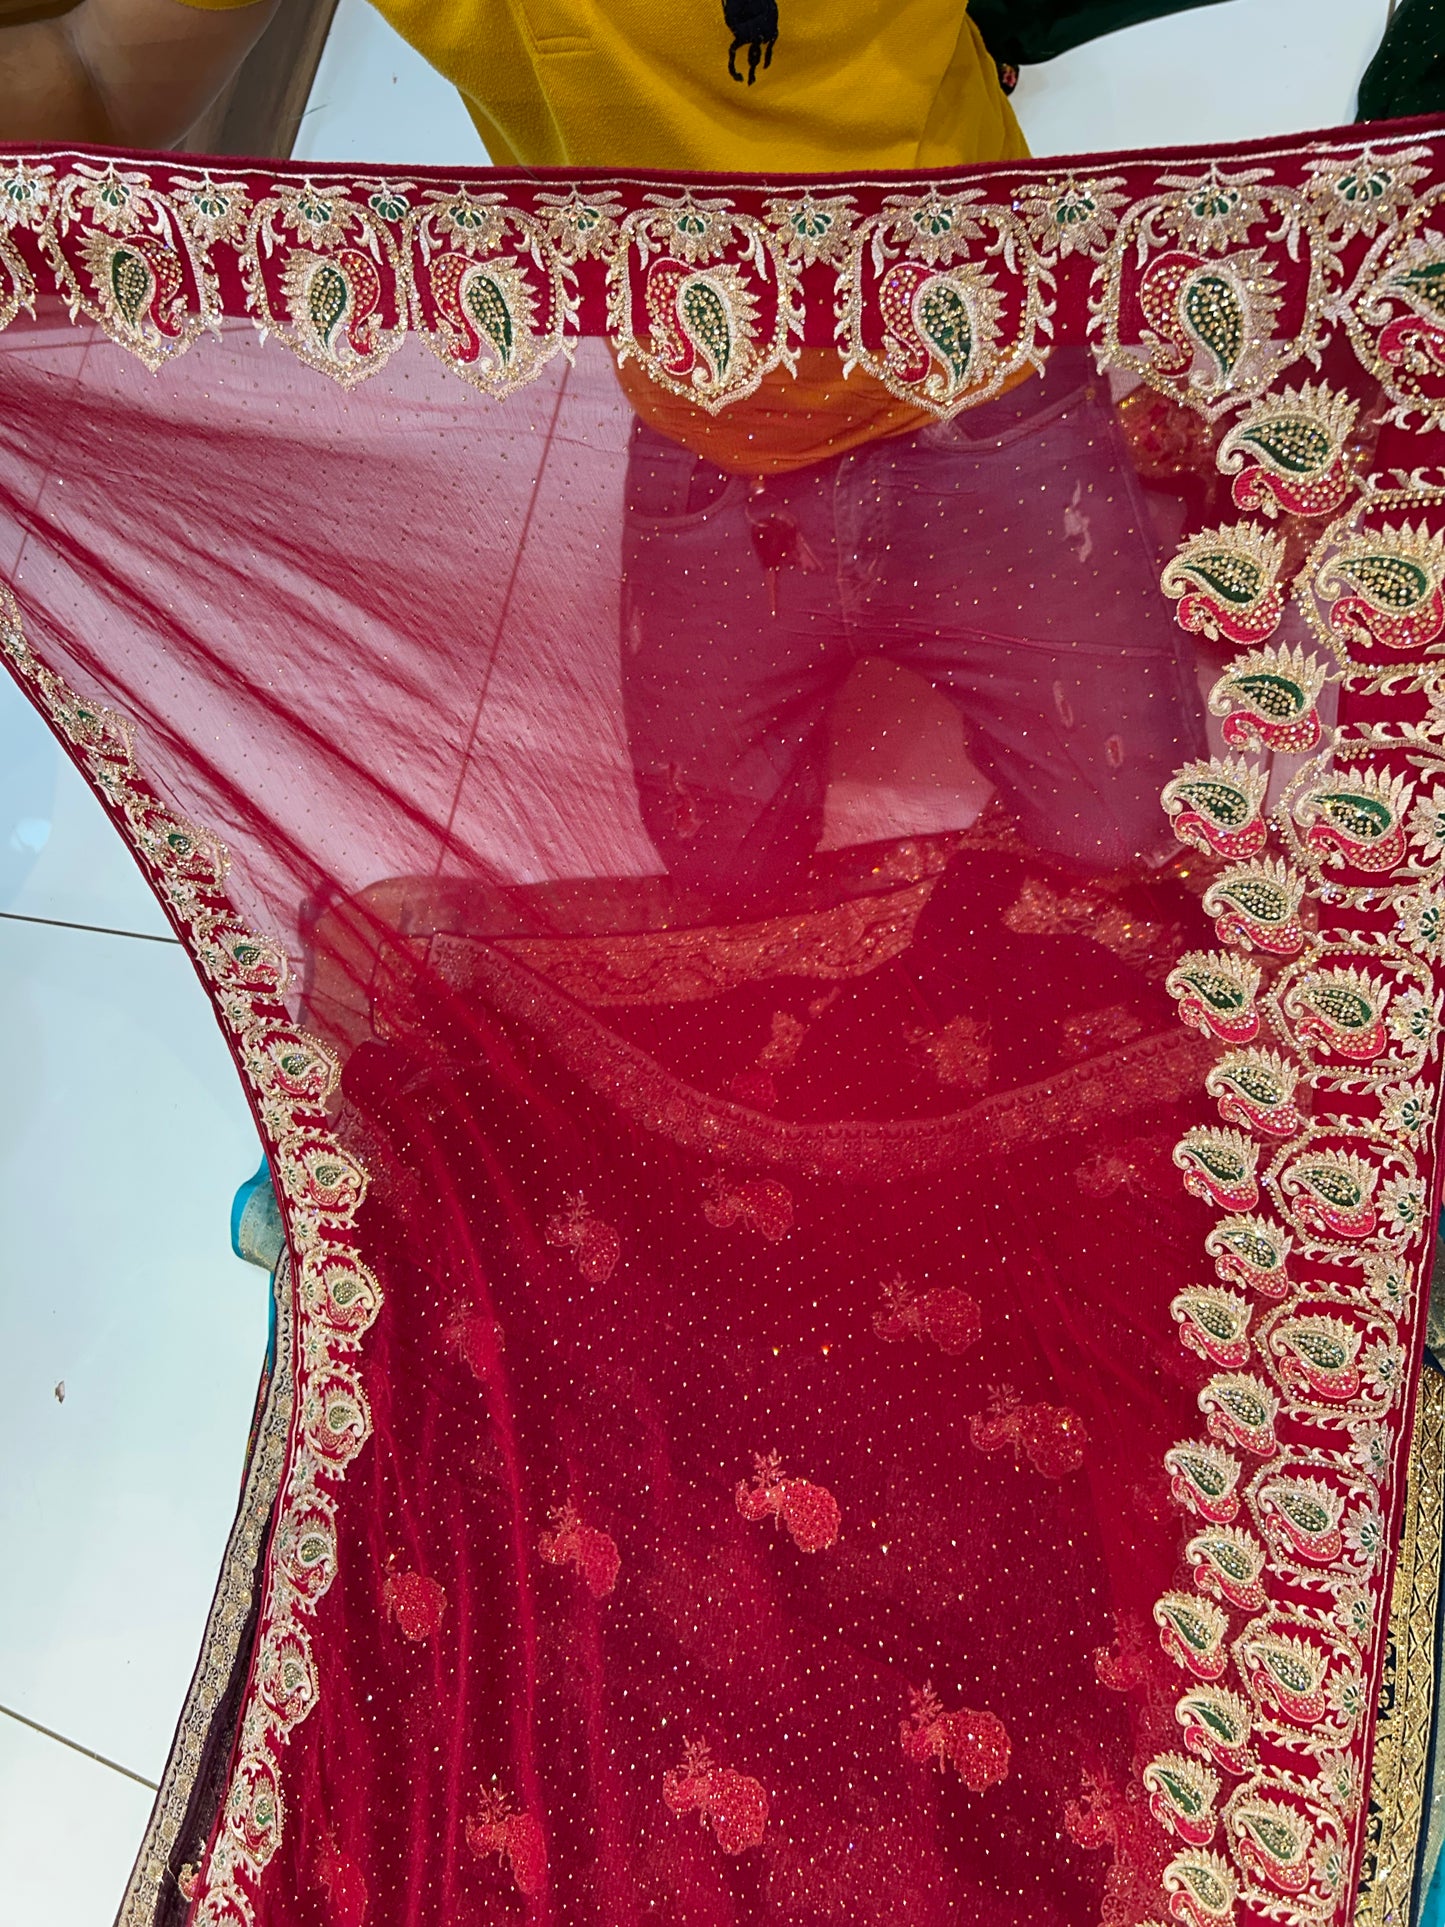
<point>854,85</point>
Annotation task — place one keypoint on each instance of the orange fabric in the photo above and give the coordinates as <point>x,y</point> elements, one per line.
<point>789,423</point>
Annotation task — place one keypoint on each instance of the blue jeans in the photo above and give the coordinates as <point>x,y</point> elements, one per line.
<point>1007,557</point>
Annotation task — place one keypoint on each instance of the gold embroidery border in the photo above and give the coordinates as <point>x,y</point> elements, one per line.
<point>184,242</point>
<point>1400,1772</point>
<point>290,1078</point>
<point>230,1608</point>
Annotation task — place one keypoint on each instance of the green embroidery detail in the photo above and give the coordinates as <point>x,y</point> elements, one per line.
<point>327,299</point>
<point>131,282</point>
<point>1427,284</point>
<point>1212,313</point>
<point>1364,818</point>
<point>947,326</point>
<point>1298,447</point>
<point>1223,803</point>
<point>1275,698</point>
<point>1233,577</point>
<point>1346,1009</point>
<point>1390,582</point>
<point>705,315</point>
<point>1265,902</point>
<point>487,305</point>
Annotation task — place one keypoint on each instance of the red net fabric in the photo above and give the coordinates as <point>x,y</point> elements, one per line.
<point>816,1396</point>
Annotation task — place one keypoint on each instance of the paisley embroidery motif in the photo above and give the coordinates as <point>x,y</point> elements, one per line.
<point>1226,582</point>
<point>1204,1478</point>
<point>1216,806</point>
<point>921,313</point>
<point>1316,1356</point>
<point>135,260</point>
<point>701,323</point>
<point>305,1548</point>
<point>332,302</point>
<point>1240,1411</point>
<point>1227,1564</point>
<point>1383,588</point>
<point>1304,1514</point>
<point>1203,1889</point>
<point>1219,1166</point>
<point>1288,452</point>
<point>1273,1842</point>
<point>1331,1194</point>
<point>495,298</point>
<point>1181,1797</point>
<point>1192,1633</point>
<point>1217,1726</point>
<point>1206,314</point>
<point>1252,1252</point>
<point>1255,1088</point>
<point>321,272</point>
<point>1395,311</point>
<point>1268,699</point>
<point>939,328</point>
<point>1286,1673</point>
<point>25,198</point>
<point>1216,992</point>
<point>335,1417</point>
<point>140,287</point>
<point>255,1813</point>
<point>476,1338</point>
<point>1214,1323</point>
<point>286,1674</point>
<point>1257,906</point>
<point>1189,291</point>
<point>718,290</point>
<point>1340,1008</point>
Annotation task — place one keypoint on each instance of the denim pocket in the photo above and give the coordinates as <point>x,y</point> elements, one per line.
<point>668,486</point>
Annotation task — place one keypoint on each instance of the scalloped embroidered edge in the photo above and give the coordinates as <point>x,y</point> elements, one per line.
<point>289,1077</point>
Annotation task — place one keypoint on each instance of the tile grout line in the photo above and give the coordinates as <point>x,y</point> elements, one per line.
<point>76,1747</point>
<point>95,929</point>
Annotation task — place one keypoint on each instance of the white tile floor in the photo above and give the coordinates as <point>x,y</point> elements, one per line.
<point>122,1131</point>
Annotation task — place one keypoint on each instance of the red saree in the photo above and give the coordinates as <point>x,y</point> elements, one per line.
<point>851,1343</point>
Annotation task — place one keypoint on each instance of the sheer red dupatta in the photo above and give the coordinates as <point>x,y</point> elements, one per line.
<point>807,1393</point>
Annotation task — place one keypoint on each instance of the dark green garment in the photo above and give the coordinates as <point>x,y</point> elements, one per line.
<point>1021,32</point>
<point>1407,75</point>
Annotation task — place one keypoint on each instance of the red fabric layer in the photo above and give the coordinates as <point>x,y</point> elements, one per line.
<point>818,1397</point>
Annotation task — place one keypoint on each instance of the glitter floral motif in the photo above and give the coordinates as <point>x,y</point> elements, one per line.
<point>733,1804</point>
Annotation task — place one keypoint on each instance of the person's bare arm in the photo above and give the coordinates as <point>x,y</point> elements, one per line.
<point>125,73</point>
